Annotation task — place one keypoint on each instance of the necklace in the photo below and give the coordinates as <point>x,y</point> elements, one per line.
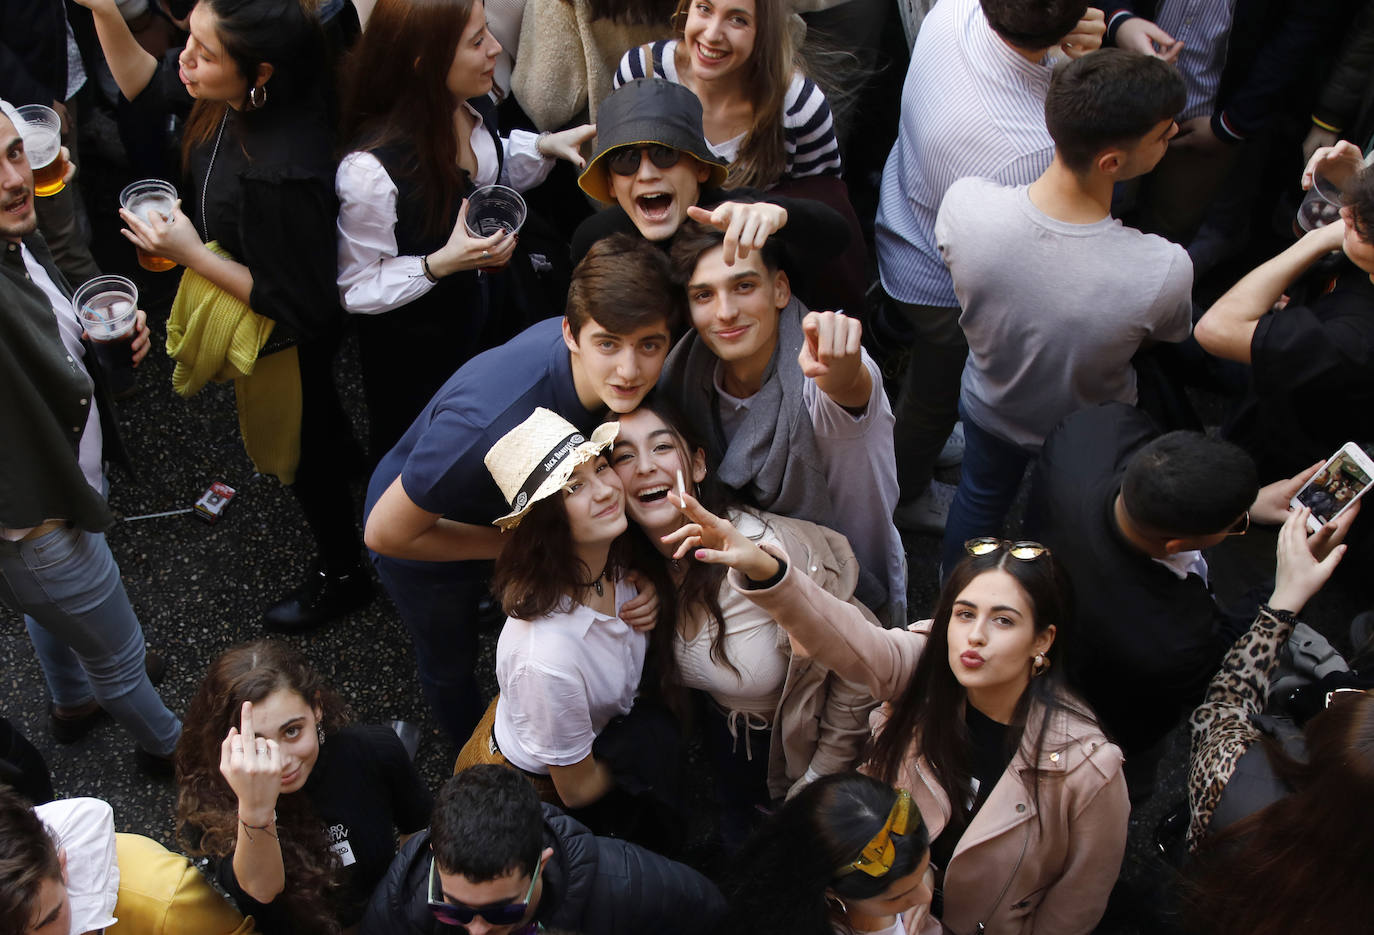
<point>596,583</point>
<point>205,187</point>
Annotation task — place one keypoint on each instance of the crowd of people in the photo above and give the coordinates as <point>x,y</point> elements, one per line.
<point>673,421</point>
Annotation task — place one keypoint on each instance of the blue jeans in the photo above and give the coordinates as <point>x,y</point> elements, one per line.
<point>988,480</point>
<point>88,640</point>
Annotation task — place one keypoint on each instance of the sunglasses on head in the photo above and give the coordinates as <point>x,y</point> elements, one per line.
<point>626,159</point>
<point>455,913</point>
<point>1025,550</point>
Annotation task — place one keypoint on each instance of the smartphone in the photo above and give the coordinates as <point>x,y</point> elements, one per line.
<point>1339,482</point>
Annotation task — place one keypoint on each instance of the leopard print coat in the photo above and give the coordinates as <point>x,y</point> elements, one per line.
<point>1221,726</point>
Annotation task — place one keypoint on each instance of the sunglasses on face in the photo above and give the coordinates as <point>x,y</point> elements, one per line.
<point>455,913</point>
<point>626,159</point>
<point>1024,550</point>
<point>1241,526</point>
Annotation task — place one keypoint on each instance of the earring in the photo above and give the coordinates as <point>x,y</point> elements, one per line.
<point>257,97</point>
<point>1040,665</point>
<point>319,732</point>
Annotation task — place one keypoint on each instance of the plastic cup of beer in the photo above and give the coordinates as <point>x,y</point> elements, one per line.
<point>144,199</point>
<point>42,133</point>
<point>108,309</point>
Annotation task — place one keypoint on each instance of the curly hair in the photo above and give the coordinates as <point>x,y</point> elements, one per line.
<point>207,809</point>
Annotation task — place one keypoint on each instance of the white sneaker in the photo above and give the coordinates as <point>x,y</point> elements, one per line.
<point>953,452</point>
<point>928,512</point>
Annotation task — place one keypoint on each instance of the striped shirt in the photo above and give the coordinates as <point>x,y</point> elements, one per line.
<point>1205,27</point>
<point>807,125</point>
<point>971,105</point>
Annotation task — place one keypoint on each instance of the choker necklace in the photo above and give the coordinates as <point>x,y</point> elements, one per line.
<point>596,583</point>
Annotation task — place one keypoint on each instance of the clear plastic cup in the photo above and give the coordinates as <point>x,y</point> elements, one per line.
<point>108,308</point>
<point>1321,205</point>
<point>146,198</point>
<point>494,208</point>
<point>42,133</point>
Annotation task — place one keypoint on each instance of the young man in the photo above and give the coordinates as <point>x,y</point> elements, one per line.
<point>1127,512</point>
<point>652,165</point>
<point>1311,362</point>
<point>496,861</point>
<point>431,500</point>
<point>57,426</point>
<point>792,405</point>
<point>973,104</point>
<point>1056,296</point>
<point>64,870</point>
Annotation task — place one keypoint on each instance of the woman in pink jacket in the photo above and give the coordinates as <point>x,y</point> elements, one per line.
<point>1021,792</point>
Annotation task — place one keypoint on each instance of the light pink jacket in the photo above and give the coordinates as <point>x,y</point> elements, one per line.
<point>1021,866</point>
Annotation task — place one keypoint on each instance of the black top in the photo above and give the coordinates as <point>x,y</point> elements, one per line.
<point>1146,642</point>
<point>269,200</point>
<point>364,789</point>
<point>989,756</point>
<point>1312,379</point>
<point>814,233</point>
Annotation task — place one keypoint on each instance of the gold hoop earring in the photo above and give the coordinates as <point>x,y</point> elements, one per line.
<point>833,901</point>
<point>1040,665</point>
<point>257,98</point>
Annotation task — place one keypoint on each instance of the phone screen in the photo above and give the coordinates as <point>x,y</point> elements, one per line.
<point>1334,487</point>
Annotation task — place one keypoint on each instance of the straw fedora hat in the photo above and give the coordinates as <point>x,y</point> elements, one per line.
<point>534,460</point>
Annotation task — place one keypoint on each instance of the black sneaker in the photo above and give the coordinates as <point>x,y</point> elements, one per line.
<point>154,766</point>
<point>69,728</point>
<point>321,599</point>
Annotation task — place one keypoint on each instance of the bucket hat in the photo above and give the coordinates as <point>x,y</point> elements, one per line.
<point>534,460</point>
<point>643,112</point>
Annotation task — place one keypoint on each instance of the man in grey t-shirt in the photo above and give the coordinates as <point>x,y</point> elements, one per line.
<point>1057,296</point>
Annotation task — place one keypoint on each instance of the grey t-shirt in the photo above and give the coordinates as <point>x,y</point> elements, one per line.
<point>1053,311</point>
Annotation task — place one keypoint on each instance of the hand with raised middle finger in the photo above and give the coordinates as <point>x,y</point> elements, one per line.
<point>252,767</point>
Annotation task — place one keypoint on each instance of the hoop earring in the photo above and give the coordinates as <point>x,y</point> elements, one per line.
<point>832,901</point>
<point>257,98</point>
<point>319,732</point>
<point>1040,665</point>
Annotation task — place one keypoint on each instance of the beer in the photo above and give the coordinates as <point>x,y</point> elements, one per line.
<point>145,199</point>
<point>108,309</point>
<point>42,133</point>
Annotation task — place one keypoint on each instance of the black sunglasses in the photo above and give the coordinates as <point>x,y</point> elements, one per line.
<point>626,159</point>
<point>451,913</point>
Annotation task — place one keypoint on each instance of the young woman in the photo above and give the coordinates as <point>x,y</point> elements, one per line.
<point>297,811</point>
<point>773,719</point>
<point>567,665</point>
<point>1023,795</point>
<point>259,169</point>
<point>847,855</point>
<point>418,114</point>
<point>759,112</point>
<point>1274,819</point>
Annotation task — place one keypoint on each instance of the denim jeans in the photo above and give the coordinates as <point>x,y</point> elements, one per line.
<point>88,640</point>
<point>988,480</point>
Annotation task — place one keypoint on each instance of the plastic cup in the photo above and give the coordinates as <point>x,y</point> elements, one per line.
<point>144,199</point>
<point>1321,205</point>
<point>108,308</point>
<point>495,208</point>
<point>42,133</point>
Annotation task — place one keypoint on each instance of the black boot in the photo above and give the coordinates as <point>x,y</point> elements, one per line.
<point>322,598</point>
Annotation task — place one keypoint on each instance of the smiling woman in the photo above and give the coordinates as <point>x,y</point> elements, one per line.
<point>296,809</point>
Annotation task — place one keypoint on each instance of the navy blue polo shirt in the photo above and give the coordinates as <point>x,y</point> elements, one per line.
<point>439,459</point>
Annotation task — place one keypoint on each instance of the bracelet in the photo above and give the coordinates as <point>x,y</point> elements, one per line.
<point>1322,124</point>
<point>771,581</point>
<point>538,145</point>
<point>1281,616</point>
<point>424,265</point>
<point>249,829</point>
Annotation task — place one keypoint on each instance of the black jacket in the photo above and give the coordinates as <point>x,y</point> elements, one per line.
<point>593,885</point>
<point>1347,99</point>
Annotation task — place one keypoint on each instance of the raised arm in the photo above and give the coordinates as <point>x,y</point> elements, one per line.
<point>129,62</point>
<point>251,765</point>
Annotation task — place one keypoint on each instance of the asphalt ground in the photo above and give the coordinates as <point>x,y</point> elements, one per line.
<point>200,588</point>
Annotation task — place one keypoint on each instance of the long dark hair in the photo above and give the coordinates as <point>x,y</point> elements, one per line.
<point>1294,866</point>
<point>928,717</point>
<point>779,878</point>
<point>396,93</point>
<point>207,809</point>
<point>762,156</point>
<point>285,34</point>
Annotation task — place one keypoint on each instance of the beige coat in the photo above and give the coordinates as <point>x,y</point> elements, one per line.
<point>1021,866</point>
<point>821,721</point>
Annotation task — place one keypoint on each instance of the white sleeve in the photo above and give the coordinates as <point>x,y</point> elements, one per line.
<point>372,278</point>
<point>525,167</point>
<point>84,829</point>
<point>549,714</point>
<point>831,420</point>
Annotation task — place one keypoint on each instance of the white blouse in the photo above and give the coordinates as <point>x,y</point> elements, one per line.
<point>84,828</point>
<point>372,277</point>
<point>562,678</point>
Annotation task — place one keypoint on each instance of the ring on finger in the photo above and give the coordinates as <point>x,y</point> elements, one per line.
<point>485,254</point>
